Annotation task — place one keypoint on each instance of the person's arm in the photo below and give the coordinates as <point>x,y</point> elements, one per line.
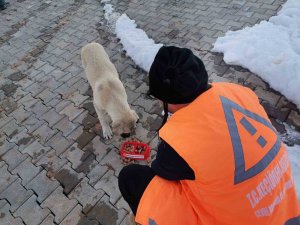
<point>170,165</point>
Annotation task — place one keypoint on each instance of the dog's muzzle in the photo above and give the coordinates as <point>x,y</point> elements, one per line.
<point>125,135</point>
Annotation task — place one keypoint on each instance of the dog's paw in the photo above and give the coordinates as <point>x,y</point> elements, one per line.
<point>107,133</point>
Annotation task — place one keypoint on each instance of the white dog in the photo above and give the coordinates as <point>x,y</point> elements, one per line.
<point>110,98</point>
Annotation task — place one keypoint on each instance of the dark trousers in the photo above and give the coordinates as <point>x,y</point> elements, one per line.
<point>133,180</point>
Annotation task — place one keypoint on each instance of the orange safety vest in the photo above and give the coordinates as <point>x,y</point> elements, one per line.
<point>242,172</point>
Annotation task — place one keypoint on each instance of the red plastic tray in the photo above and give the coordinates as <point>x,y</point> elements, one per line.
<point>135,154</point>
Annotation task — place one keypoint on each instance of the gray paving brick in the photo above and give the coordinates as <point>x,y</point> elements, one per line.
<point>36,150</point>
<point>71,111</point>
<point>75,133</point>
<point>26,171</point>
<point>44,133</point>
<point>31,213</point>
<point>86,195</point>
<point>106,213</point>
<point>4,119</point>
<point>32,123</point>
<point>75,155</point>
<point>51,163</point>
<point>49,220</point>
<point>69,178</point>
<point>46,95</point>
<point>65,126</point>
<point>39,109</point>
<point>6,217</point>
<point>62,209</point>
<point>268,96</point>
<point>11,128</point>
<point>51,117</point>
<point>77,98</point>
<point>16,194</point>
<point>13,158</point>
<point>74,217</point>
<point>27,101</point>
<point>109,184</point>
<point>96,173</point>
<point>59,143</point>
<point>42,186</point>
<point>20,114</point>
<point>5,145</point>
<point>20,137</point>
<point>6,178</point>
<point>113,160</point>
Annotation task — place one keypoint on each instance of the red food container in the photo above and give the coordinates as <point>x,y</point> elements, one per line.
<point>132,150</point>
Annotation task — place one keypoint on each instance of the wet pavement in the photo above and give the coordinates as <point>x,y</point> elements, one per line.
<point>55,166</point>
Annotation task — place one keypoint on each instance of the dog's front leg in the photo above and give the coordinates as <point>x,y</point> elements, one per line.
<point>103,118</point>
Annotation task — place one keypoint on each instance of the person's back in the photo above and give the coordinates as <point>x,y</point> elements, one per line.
<point>241,167</point>
<point>234,169</point>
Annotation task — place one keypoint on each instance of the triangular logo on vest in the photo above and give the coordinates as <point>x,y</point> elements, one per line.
<point>241,173</point>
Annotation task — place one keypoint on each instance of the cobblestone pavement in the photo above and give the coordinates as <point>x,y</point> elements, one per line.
<point>55,168</point>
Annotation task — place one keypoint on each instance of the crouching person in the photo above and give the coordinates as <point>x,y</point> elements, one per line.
<point>220,161</point>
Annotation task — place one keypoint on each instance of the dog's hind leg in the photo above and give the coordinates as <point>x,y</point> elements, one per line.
<point>104,121</point>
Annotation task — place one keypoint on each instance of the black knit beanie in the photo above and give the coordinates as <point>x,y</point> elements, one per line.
<point>177,76</point>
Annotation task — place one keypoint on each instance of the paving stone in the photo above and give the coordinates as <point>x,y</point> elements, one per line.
<point>75,155</point>
<point>31,213</point>
<point>254,81</point>
<point>27,101</point>
<point>268,96</point>
<point>51,117</point>
<point>122,204</point>
<point>113,161</point>
<point>4,119</point>
<point>21,137</point>
<point>98,148</point>
<point>71,111</point>
<point>26,171</point>
<point>68,178</point>
<point>16,195</point>
<point>86,195</point>
<point>6,217</point>
<point>76,133</point>
<point>36,150</point>
<point>44,133</point>
<point>8,105</point>
<point>16,221</point>
<point>39,109</point>
<point>13,158</point>
<point>34,89</point>
<point>11,129</point>
<point>6,178</point>
<point>46,95</point>
<point>51,163</point>
<point>73,217</point>
<point>49,220</point>
<point>109,184</point>
<point>32,123</point>
<point>59,204</point>
<point>84,139</point>
<point>105,213</point>
<point>20,114</point>
<point>5,145</point>
<point>77,98</point>
<point>59,143</point>
<point>96,173</point>
<point>42,186</point>
<point>65,126</point>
